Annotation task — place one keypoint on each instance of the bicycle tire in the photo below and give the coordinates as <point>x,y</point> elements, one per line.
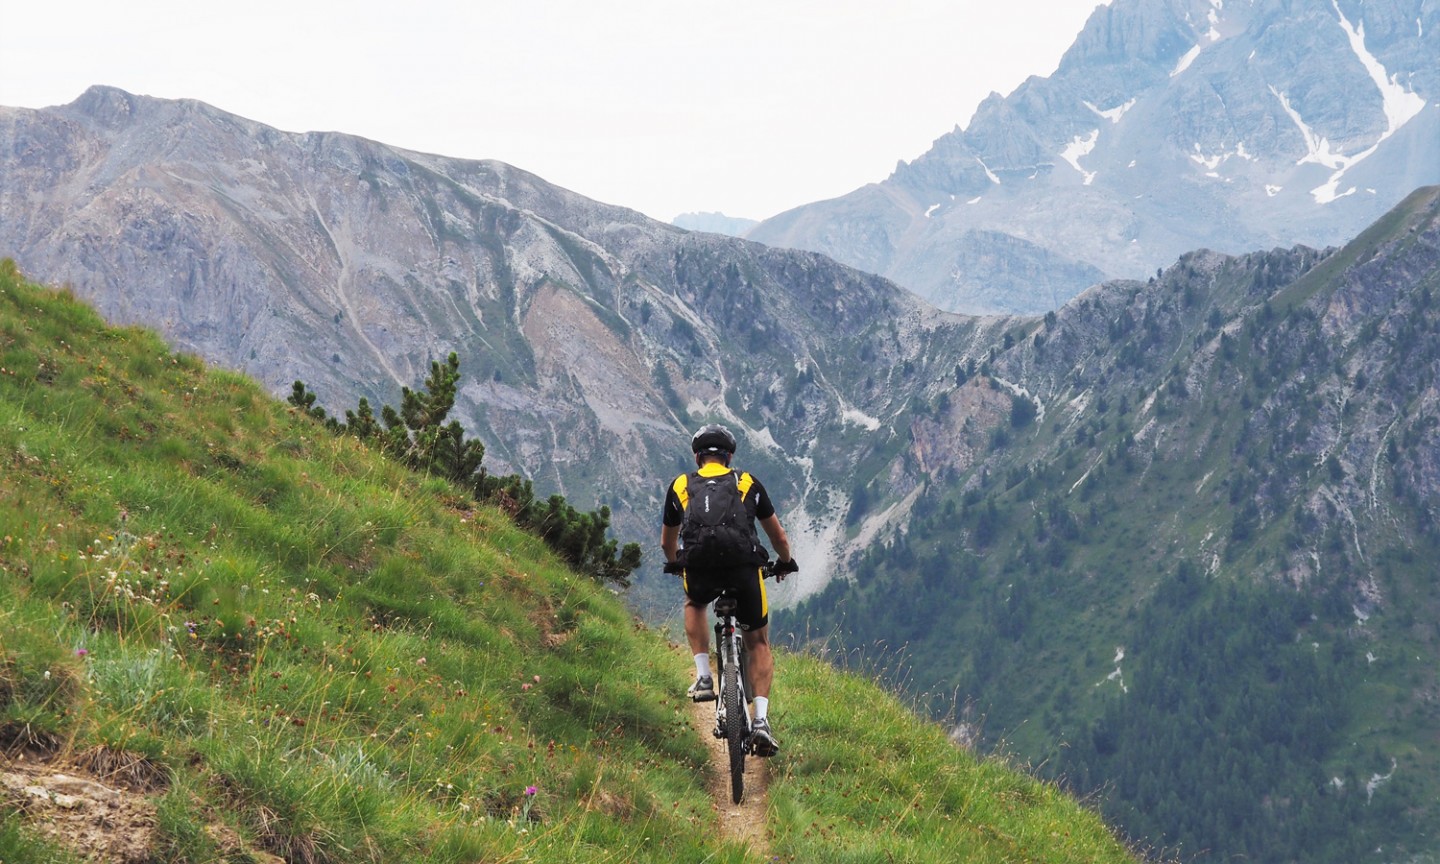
<point>734,730</point>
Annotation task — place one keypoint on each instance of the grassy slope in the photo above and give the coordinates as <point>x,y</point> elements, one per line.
<point>335,659</point>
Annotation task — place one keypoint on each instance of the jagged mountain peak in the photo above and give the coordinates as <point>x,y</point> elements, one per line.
<point>1130,33</point>
<point>1166,126</point>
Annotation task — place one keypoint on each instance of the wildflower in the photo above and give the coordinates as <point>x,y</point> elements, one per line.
<point>537,679</point>
<point>530,792</point>
<point>420,662</point>
<point>525,686</point>
<point>81,652</point>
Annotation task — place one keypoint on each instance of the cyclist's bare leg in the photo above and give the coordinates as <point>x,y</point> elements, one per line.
<point>697,629</point>
<point>762,664</point>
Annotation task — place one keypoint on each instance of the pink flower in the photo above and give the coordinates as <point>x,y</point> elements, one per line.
<point>81,652</point>
<point>524,686</point>
<point>530,791</point>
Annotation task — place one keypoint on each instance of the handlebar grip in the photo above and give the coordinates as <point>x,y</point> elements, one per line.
<point>780,568</point>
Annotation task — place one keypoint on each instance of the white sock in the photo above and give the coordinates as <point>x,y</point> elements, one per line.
<point>702,665</point>
<point>762,704</point>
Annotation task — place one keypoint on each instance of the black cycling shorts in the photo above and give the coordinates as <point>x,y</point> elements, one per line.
<point>748,587</point>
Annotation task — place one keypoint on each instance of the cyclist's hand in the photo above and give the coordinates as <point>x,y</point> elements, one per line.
<point>674,567</point>
<point>785,568</point>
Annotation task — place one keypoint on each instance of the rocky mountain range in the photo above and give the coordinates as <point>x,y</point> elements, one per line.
<point>1188,565</point>
<point>1029,502</point>
<point>591,338</point>
<point>1168,126</point>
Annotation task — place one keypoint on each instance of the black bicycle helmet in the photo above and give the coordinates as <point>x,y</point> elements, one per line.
<point>713,438</point>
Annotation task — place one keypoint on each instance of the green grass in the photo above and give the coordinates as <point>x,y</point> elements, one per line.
<point>862,781</point>
<point>329,658</point>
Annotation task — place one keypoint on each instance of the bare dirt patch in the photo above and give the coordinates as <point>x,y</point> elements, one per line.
<point>744,822</point>
<point>100,817</point>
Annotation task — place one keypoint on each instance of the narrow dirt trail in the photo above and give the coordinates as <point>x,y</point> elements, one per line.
<point>743,822</point>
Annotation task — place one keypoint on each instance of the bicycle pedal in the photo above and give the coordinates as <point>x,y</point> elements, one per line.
<point>703,697</point>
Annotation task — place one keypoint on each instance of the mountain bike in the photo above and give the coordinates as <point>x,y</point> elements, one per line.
<point>732,714</point>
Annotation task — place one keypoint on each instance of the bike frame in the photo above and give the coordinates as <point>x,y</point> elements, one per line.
<point>733,693</point>
<point>730,655</point>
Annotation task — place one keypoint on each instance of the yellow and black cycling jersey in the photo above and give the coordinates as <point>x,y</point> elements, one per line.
<point>752,492</point>
<point>746,581</point>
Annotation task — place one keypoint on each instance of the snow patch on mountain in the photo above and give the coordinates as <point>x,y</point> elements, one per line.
<point>1400,105</point>
<point>1213,17</point>
<point>1111,114</point>
<point>1079,148</point>
<point>1317,147</point>
<point>1213,161</point>
<point>1185,61</point>
<point>1211,36</point>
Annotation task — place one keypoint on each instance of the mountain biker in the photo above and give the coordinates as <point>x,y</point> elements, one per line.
<point>714,446</point>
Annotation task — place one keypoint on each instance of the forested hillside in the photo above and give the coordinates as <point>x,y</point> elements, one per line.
<point>1193,570</point>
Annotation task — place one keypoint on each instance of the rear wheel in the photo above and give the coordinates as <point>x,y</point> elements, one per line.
<point>734,731</point>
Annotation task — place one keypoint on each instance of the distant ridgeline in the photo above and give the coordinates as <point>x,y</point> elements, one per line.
<point>418,436</point>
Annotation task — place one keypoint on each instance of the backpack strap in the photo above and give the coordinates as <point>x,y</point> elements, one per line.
<point>743,481</point>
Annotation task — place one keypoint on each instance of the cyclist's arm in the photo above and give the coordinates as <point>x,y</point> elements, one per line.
<point>671,515</point>
<point>670,541</point>
<point>778,541</point>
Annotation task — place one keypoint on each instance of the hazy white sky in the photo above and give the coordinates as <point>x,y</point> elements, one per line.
<point>749,107</point>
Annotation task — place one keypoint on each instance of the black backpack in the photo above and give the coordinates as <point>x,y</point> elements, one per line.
<point>717,530</point>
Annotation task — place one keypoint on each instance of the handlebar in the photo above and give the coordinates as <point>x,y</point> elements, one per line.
<point>778,569</point>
